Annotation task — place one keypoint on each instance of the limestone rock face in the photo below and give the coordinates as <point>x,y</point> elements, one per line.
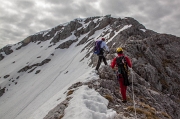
<point>66,44</point>
<point>145,96</point>
<point>2,91</point>
<point>7,50</point>
<point>1,57</point>
<point>156,60</point>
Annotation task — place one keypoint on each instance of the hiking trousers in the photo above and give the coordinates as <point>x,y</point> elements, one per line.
<point>101,57</point>
<point>123,88</point>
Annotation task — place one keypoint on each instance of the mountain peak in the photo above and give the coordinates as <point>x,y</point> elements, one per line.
<point>45,70</point>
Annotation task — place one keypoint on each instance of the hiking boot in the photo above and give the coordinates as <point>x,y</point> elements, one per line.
<point>124,101</point>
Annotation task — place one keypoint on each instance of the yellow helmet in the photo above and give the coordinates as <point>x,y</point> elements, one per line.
<point>119,49</point>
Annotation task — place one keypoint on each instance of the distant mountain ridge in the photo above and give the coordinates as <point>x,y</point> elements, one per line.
<point>155,58</point>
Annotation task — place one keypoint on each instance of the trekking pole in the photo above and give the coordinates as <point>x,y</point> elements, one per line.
<point>133,94</point>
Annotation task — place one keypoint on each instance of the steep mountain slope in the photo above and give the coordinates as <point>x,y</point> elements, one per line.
<point>37,72</point>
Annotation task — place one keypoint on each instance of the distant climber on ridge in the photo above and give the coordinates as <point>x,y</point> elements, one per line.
<point>122,62</point>
<point>99,50</point>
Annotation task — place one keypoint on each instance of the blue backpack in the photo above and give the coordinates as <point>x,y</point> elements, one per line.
<point>97,47</point>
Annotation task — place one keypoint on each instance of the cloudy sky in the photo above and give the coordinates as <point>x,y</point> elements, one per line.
<point>21,18</point>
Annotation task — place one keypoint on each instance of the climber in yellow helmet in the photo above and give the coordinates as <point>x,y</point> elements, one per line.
<point>122,62</point>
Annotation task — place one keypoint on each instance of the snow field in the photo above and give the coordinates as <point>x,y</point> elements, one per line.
<point>88,104</point>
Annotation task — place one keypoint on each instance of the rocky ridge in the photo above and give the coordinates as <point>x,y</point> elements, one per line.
<point>156,79</point>
<point>91,25</point>
<point>149,103</point>
<point>155,57</point>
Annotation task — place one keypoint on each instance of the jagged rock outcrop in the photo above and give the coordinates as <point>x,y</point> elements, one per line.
<point>25,42</point>
<point>156,61</point>
<point>34,66</point>
<point>7,50</point>
<point>66,31</point>
<point>58,111</point>
<point>66,44</point>
<point>1,57</point>
<point>2,91</point>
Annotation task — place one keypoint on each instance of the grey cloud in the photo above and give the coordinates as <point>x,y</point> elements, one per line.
<point>85,10</point>
<point>9,36</point>
<point>48,22</point>
<point>172,5</point>
<point>12,19</point>
<point>27,18</point>
<point>24,4</point>
<point>10,30</point>
<point>59,1</point>
<point>114,7</point>
<point>74,10</point>
<point>69,2</point>
<point>156,15</point>
<point>177,17</point>
<point>157,12</point>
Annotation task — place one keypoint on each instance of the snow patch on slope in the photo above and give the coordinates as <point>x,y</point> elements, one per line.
<point>144,30</point>
<point>125,27</point>
<point>90,105</point>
